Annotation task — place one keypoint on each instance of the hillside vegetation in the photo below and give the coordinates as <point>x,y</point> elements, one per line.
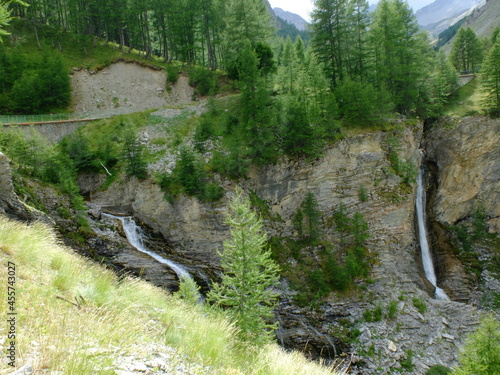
<point>79,318</point>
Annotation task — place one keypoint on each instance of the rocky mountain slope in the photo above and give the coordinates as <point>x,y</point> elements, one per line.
<point>294,19</point>
<point>485,19</point>
<point>443,9</point>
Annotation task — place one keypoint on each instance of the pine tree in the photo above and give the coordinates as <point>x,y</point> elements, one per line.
<point>246,22</point>
<point>443,82</point>
<point>490,80</point>
<point>249,273</point>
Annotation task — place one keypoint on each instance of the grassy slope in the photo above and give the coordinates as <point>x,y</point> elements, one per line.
<point>115,317</point>
<point>77,51</point>
<point>466,100</point>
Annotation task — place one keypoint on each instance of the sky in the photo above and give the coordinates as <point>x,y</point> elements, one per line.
<point>304,7</point>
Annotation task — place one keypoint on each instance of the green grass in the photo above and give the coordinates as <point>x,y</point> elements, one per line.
<point>82,318</point>
<point>465,101</point>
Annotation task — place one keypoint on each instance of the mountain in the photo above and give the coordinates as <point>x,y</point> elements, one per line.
<point>443,9</point>
<point>482,18</point>
<point>294,19</point>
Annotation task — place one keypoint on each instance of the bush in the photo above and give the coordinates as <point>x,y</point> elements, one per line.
<point>374,315</point>
<point>189,177</point>
<point>407,363</point>
<point>172,73</point>
<point>231,165</point>
<point>420,305</point>
<point>438,370</point>
<point>392,310</point>
<point>205,80</point>
<point>362,193</point>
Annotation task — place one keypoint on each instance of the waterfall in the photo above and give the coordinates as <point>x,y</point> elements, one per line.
<point>424,244</point>
<point>134,235</point>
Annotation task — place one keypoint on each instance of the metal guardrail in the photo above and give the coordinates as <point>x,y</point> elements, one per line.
<point>50,118</point>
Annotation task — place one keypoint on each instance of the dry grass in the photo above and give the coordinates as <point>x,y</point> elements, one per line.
<point>76,317</point>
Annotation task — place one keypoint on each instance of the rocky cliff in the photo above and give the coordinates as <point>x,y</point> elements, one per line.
<point>389,321</point>
<point>196,230</point>
<point>467,155</point>
<point>10,205</point>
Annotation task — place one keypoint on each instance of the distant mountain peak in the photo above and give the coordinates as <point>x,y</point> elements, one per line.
<point>294,19</point>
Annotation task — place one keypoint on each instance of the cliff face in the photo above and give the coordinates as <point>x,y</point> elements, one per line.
<point>195,231</point>
<point>10,205</point>
<point>467,156</point>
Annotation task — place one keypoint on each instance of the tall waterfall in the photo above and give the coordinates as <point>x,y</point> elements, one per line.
<point>134,235</point>
<point>430,274</point>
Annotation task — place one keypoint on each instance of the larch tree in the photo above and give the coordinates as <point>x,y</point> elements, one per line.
<point>246,21</point>
<point>330,33</point>
<point>246,289</point>
<point>481,355</point>
<point>5,15</point>
<point>490,80</point>
<point>400,53</point>
<point>466,51</point>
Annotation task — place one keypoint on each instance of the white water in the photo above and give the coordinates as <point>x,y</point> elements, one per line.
<point>424,244</point>
<point>134,236</point>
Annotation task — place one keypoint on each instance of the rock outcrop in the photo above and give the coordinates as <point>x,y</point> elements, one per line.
<point>10,205</point>
<point>467,155</point>
<point>196,230</point>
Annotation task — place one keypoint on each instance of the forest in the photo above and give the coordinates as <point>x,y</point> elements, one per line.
<point>357,66</point>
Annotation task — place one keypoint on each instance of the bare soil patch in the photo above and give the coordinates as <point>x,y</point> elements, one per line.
<point>126,87</point>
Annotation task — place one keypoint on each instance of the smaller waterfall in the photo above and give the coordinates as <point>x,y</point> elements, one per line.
<point>134,235</point>
<point>424,244</point>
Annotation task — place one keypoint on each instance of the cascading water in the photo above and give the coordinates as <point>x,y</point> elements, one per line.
<point>134,236</point>
<point>424,244</point>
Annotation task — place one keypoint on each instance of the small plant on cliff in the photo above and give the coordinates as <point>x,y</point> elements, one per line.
<point>249,274</point>
<point>438,370</point>
<point>189,177</point>
<point>407,363</point>
<point>420,305</point>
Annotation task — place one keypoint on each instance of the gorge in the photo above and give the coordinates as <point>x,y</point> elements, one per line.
<point>195,230</point>
<point>386,316</point>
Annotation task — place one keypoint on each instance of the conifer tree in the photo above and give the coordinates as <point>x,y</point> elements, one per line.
<point>5,15</point>
<point>330,32</point>
<point>466,51</point>
<point>249,273</point>
<point>400,53</point>
<point>133,155</point>
<point>490,80</point>
<point>481,355</point>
